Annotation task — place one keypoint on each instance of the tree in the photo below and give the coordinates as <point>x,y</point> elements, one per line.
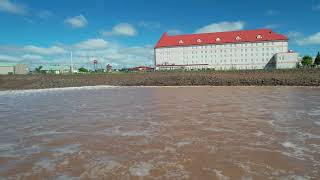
<point>317,60</point>
<point>38,69</point>
<point>306,61</point>
<point>82,69</point>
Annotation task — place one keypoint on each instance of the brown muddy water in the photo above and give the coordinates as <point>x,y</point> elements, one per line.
<point>160,133</point>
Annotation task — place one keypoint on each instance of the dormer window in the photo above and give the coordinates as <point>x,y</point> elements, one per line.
<point>218,39</point>
<point>180,42</point>
<point>259,36</point>
<point>238,38</point>
<point>199,41</point>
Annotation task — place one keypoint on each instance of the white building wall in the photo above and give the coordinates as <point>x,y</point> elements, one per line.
<point>6,70</point>
<point>286,60</point>
<point>220,57</point>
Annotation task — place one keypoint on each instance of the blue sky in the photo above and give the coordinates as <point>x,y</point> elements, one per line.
<point>123,32</point>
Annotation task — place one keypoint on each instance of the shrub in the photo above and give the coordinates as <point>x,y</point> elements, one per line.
<point>306,61</point>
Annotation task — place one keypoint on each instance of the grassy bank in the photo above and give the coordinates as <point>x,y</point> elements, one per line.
<point>294,77</point>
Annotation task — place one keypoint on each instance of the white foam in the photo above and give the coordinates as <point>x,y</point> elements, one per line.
<point>259,133</point>
<point>7,150</point>
<point>295,177</point>
<point>28,91</point>
<point>67,149</point>
<point>44,164</point>
<point>177,171</point>
<point>288,144</point>
<point>314,112</point>
<point>296,151</point>
<point>99,169</point>
<point>317,123</point>
<point>115,131</point>
<point>140,169</point>
<point>220,175</point>
<point>183,143</point>
<point>66,177</point>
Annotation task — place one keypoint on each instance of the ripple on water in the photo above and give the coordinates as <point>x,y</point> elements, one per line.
<point>154,131</point>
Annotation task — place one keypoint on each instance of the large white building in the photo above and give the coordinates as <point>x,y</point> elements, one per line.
<point>248,49</point>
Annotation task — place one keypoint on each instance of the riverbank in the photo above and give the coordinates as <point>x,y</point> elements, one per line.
<point>295,77</point>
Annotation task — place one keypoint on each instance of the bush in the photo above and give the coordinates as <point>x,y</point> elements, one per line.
<point>306,61</point>
<point>82,69</point>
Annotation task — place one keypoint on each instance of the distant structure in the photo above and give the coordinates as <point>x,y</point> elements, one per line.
<point>13,68</point>
<point>95,65</point>
<point>141,68</point>
<point>247,49</point>
<point>109,68</point>
<point>56,69</point>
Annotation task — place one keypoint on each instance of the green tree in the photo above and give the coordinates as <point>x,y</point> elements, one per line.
<point>82,69</point>
<point>38,69</point>
<point>306,61</point>
<point>317,60</point>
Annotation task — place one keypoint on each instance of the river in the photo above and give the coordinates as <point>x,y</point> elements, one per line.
<point>160,133</point>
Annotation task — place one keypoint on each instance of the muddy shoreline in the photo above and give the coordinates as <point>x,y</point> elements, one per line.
<point>296,77</point>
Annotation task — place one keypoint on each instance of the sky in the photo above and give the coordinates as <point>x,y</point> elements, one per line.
<point>124,32</point>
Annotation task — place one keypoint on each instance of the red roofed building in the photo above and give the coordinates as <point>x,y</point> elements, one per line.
<point>141,68</point>
<point>247,49</point>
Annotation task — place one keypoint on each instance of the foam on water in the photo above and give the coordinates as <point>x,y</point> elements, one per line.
<point>140,169</point>
<point>314,112</point>
<point>100,168</point>
<point>21,92</point>
<point>44,164</point>
<point>67,149</point>
<point>66,177</point>
<point>219,174</point>
<point>183,143</point>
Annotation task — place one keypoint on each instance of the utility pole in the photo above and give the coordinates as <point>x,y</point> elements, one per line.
<point>71,62</point>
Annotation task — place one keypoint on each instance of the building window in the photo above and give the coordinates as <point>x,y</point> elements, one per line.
<point>259,36</point>
<point>218,39</point>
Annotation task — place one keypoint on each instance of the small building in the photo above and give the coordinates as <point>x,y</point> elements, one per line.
<point>13,68</point>
<point>109,68</point>
<point>141,68</point>
<point>56,69</point>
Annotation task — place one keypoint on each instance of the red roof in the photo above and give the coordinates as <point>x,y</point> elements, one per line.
<point>258,35</point>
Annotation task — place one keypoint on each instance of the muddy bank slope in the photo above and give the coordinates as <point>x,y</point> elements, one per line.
<point>296,77</point>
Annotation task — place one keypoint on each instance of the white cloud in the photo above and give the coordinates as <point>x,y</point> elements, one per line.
<point>221,27</point>
<point>83,53</point>
<point>31,57</point>
<point>272,12</point>
<point>149,24</point>
<point>45,14</point>
<point>310,40</point>
<point>10,7</point>
<point>77,21</point>
<point>92,44</point>
<point>9,58</point>
<point>316,7</point>
<point>54,50</point>
<point>174,31</point>
<point>294,34</point>
<point>272,26</point>
<point>122,29</point>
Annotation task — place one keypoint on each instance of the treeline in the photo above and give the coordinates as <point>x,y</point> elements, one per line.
<point>308,60</point>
